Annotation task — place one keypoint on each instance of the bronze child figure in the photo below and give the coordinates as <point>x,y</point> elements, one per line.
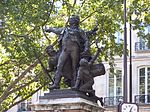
<point>86,73</point>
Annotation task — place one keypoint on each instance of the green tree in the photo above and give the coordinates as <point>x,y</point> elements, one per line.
<point>22,35</point>
<point>140,13</point>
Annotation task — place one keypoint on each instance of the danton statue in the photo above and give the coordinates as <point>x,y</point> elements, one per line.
<point>73,41</point>
<point>73,60</point>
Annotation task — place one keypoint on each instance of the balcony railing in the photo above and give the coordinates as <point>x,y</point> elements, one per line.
<point>141,46</point>
<point>112,101</point>
<point>24,107</point>
<point>142,99</point>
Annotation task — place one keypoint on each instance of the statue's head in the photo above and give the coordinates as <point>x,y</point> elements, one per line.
<point>74,20</point>
<point>83,62</point>
<point>50,50</point>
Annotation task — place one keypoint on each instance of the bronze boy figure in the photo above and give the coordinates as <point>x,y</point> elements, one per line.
<point>86,73</point>
<point>85,78</point>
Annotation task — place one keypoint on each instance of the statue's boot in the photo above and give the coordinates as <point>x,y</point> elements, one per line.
<point>56,83</point>
<point>54,86</point>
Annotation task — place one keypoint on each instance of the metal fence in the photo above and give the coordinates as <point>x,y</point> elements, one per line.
<point>112,101</point>
<point>141,46</point>
<point>142,99</point>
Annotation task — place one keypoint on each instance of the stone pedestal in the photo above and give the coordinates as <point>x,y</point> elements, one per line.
<point>65,101</point>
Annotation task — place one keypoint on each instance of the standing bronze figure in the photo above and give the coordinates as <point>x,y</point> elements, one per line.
<point>73,41</point>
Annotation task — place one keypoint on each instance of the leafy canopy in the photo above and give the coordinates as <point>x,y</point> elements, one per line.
<point>22,34</point>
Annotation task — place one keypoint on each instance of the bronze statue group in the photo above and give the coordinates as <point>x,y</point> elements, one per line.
<point>73,60</point>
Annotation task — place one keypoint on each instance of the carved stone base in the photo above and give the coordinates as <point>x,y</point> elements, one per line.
<point>59,102</point>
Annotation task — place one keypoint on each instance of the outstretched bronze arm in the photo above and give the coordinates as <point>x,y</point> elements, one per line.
<point>92,32</point>
<point>57,31</point>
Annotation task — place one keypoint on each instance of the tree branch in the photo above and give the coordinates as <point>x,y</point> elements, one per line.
<point>45,34</point>
<point>22,86</point>
<point>6,92</point>
<point>16,97</point>
<point>29,32</point>
<point>17,102</point>
<point>88,16</point>
<point>49,13</point>
<point>43,68</point>
<point>81,6</point>
<point>7,62</point>
<point>74,3</point>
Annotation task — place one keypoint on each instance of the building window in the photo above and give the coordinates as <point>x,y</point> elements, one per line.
<point>144,86</point>
<point>115,89</point>
<point>143,42</point>
<point>144,80</point>
<point>142,45</point>
<point>147,30</point>
<point>119,38</point>
<point>115,83</point>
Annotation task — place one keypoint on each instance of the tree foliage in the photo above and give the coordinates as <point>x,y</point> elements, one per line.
<point>22,34</point>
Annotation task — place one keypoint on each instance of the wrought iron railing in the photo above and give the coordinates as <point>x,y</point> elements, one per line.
<point>112,101</point>
<point>141,46</point>
<point>24,107</point>
<point>142,99</point>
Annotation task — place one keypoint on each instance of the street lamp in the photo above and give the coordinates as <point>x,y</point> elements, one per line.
<point>130,84</point>
<point>125,88</point>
